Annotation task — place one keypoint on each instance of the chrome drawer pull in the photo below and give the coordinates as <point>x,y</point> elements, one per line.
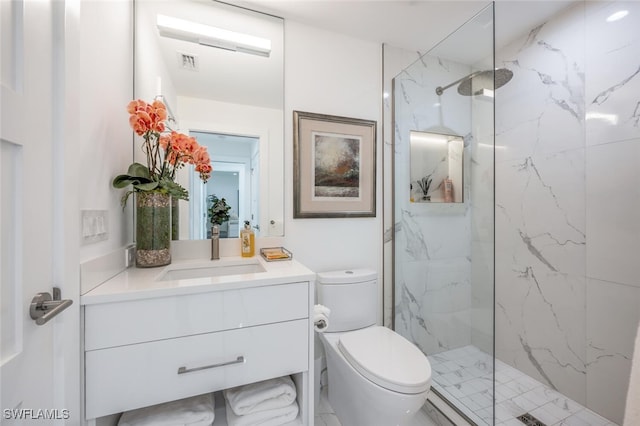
<point>183,370</point>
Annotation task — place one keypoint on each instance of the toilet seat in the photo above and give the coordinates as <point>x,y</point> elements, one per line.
<point>387,359</point>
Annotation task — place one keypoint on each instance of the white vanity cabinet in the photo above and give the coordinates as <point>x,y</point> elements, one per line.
<point>197,336</point>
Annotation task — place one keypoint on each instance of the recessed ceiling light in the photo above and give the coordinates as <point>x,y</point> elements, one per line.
<point>617,16</point>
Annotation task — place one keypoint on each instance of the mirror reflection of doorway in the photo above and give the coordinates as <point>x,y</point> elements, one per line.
<point>234,158</point>
<point>225,184</point>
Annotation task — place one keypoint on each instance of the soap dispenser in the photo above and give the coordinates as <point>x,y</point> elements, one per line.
<point>247,240</point>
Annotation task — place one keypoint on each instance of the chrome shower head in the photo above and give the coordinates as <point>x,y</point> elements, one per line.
<point>488,79</point>
<point>491,80</point>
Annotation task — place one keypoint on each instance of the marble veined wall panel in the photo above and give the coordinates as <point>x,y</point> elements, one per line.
<point>567,203</point>
<point>613,312</point>
<point>612,201</point>
<point>432,241</point>
<point>613,72</point>
<point>540,205</point>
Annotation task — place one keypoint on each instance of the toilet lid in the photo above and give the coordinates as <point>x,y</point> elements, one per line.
<point>387,359</point>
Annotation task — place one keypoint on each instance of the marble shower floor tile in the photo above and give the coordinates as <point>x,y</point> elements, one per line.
<point>468,384</point>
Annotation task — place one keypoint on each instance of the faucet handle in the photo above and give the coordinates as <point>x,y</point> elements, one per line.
<point>215,242</point>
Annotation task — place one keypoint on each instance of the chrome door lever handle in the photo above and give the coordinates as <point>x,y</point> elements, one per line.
<point>43,307</point>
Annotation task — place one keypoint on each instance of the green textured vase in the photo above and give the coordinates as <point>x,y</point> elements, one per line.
<point>153,229</point>
<point>175,219</point>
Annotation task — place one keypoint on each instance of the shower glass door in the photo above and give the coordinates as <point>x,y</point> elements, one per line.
<point>444,213</point>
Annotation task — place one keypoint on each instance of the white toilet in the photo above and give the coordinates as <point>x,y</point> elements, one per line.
<point>376,376</point>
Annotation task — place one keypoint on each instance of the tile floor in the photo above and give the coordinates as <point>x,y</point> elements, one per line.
<point>465,377</point>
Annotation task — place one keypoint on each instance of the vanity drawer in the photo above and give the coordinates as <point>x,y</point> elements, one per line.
<point>123,323</point>
<point>128,377</point>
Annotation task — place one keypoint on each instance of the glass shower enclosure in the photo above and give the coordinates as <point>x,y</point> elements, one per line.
<point>443,251</point>
<point>515,215</point>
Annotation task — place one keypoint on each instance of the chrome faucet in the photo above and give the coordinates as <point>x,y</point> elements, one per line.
<point>215,242</point>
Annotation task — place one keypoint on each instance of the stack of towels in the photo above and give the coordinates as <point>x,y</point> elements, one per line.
<point>194,411</point>
<point>267,403</point>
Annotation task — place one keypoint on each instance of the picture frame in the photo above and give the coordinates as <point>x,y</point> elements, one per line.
<point>334,166</point>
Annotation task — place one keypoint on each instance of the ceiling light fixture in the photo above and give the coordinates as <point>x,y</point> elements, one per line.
<point>617,16</point>
<point>211,36</point>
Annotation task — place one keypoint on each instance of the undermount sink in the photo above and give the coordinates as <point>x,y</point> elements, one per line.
<point>211,269</point>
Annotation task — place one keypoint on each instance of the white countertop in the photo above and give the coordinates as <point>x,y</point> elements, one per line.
<point>142,283</point>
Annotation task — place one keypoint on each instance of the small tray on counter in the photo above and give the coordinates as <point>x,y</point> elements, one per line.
<point>275,254</point>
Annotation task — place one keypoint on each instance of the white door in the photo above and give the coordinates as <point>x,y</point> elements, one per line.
<point>27,201</point>
<point>255,193</point>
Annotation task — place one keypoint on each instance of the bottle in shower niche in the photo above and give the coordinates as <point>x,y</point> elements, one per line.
<point>448,190</point>
<point>247,240</point>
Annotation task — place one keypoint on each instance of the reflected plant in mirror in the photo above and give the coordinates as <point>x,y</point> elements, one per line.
<point>218,213</point>
<point>228,95</point>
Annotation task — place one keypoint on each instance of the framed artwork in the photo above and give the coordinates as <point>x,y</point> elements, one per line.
<point>334,166</point>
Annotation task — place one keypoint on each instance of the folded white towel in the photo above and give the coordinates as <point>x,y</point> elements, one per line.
<point>273,417</point>
<point>260,396</point>
<point>193,411</point>
<point>321,318</point>
<point>632,410</point>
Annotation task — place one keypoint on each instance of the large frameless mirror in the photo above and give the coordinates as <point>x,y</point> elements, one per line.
<point>220,71</point>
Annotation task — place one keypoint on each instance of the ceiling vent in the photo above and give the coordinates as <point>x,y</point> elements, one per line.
<point>188,62</point>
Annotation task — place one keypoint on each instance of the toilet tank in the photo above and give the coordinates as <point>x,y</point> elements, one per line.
<point>352,296</point>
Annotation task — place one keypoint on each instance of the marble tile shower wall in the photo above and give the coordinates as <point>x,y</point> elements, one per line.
<point>432,255</point>
<point>567,203</point>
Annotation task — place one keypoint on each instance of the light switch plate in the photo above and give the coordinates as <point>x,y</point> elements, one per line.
<point>94,226</point>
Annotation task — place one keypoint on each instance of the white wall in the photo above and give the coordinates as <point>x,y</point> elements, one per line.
<point>104,89</point>
<point>325,73</point>
<point>97,146</point>
<point>332,74</point>
<point>152,78</point>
